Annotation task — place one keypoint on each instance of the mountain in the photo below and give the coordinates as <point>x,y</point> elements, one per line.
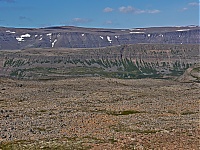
<point>77,37</point>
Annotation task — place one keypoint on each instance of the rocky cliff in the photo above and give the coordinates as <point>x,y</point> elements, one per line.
<point>76,37</point>
<point>125,61</point>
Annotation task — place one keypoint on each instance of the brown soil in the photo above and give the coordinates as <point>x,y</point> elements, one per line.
<point>99,113</point>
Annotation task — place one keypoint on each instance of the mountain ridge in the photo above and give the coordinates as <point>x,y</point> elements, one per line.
<point>80,37</point>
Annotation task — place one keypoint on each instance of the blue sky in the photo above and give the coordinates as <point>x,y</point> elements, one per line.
<point>99,13</point>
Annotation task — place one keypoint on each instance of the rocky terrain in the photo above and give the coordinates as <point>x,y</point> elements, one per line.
<point>99,113</point>
<point>192,74</point>
<point>77,37</point>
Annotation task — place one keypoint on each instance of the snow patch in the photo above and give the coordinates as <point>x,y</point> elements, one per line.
<point>52,44</point>
<point>109,39</point>
<point>101,37</point>
<point>183,30</point>
<point>136,32</point>
<point>36,35</point>
<point>40,37</point>
<point>21,38</point>
<point>192,26</point>
<point>58,35</point>
<point>25,35</point>
<point>116,36</point>
<point>82,34</point>
<point>9,31</point>
<point>49,34</point>
<point>137,29</point>
<point>149,35</point>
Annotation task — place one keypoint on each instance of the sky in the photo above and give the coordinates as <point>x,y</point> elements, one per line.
<point>98,13</point>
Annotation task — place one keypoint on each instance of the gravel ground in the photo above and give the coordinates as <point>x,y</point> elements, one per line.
<point>99,113</point>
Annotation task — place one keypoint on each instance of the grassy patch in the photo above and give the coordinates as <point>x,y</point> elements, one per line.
<point>125,112</point>
<point>188,113</point>
<point>147,131</point>
<point>45,145</point>
<point>171,112</point>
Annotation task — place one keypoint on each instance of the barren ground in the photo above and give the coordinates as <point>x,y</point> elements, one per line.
<point>99,113</point>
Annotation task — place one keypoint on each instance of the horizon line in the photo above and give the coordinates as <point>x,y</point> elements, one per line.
<point>54,26</point>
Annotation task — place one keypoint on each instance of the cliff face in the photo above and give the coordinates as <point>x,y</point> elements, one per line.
<point>74,37</point>
<point>125,61</point>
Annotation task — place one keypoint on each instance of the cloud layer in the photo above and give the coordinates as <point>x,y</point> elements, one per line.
<point>194,4</point>
<point>108,9</point>
<point>130,9</point>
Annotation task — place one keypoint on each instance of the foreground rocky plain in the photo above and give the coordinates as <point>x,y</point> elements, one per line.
<point>99,113</point>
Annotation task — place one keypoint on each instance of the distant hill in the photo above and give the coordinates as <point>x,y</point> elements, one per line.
<point>77,37</point>
<point>125,61</point>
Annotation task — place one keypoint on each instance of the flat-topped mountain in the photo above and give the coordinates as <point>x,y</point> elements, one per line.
<point>77,37</point>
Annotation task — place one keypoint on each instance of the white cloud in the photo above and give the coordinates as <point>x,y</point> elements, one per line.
<point>130,9</point>
<point>184,9</point>
<point>127,9</point>
<point>153,11</point>
<point>194,4</point>
<point>190,6</point>
<point>108,9</point>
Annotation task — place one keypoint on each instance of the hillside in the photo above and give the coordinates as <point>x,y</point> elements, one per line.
<point>125,61</point>
<point>192,74</point>
<point>76,37</point>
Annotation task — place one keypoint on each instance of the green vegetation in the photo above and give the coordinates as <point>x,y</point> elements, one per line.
<point>14,63</point>
<point>188,113</point>
<point>147,131</point>
<point>117,68</point>
<point>57,144</point>
<point>125,62</point>
<point>17,73</point>
<point>125,112</point>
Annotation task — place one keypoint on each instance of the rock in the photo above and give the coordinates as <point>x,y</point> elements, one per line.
<point>19,85</point>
